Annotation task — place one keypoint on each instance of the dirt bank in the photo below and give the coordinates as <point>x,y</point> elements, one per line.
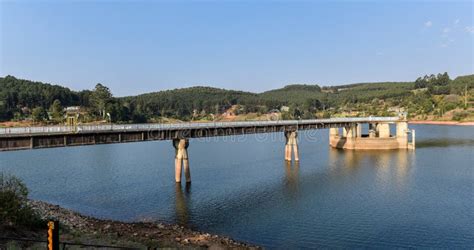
<point>87,230</point>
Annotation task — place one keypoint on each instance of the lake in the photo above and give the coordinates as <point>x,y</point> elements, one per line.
<point>242,188</point>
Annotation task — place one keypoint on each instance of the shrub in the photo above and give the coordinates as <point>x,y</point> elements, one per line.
<point>14,209</point>
<point>326,115</point>
<point>457,116</point>
<point>450,106</point>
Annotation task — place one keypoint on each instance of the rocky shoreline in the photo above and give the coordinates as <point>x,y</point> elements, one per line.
<point>77,227</point>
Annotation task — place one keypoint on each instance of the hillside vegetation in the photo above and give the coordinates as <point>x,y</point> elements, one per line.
<point>428,97</point>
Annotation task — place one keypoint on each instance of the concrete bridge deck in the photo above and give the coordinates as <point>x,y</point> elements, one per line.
<point>17,138</point>
<point>124,128</point>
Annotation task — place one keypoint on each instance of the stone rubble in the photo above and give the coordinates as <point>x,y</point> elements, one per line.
<point>161,234</point>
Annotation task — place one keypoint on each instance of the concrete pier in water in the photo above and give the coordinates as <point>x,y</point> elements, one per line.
<point>291,145</point>
<point>378,137</point>
<point>181,160</point>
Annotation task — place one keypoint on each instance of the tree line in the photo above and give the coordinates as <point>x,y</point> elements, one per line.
<point>24,99</point>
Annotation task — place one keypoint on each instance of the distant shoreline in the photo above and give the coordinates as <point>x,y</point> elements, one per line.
<point>450,123</point>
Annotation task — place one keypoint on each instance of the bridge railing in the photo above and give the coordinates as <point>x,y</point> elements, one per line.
<point>162,126</point>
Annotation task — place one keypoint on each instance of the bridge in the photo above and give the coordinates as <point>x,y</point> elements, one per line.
<point>17,138</point>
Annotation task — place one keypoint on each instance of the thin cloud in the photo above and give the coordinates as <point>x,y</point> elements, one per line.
<point>456,21</point>
<point>446,43</point>
<point>446,30</point>
<point>469,29</point>
<point>428,24</point>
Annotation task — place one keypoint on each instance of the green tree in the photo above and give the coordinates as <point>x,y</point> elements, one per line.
<point>442,79</point>
<point>14,209</point>
<point>118,112</point>
<point>39,114</point>
<point>420,83</point>
<point>5,114</point>
<point>57,111</point>
<point>310,107</point>
<point>99,99</point>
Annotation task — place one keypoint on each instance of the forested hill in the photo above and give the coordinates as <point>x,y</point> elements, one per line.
<point>296,94</point>
<point>180,103</point>
<point>24,99</point>
<point>17,92</point>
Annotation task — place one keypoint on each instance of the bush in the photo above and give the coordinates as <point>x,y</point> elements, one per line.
<point>14,209</point>
<point>326,115</point>
<point>450,106</point>
<point>457,116</point>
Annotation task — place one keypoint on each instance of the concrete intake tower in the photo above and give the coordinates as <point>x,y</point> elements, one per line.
<point>378,138</point>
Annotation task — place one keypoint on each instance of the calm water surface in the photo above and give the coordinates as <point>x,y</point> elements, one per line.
<point>242,188</point>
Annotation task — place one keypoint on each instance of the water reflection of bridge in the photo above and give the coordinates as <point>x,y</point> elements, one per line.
<point>182,198</point>
<point>389,165</point>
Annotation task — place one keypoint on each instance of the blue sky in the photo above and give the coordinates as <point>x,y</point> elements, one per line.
<point>136,47</point>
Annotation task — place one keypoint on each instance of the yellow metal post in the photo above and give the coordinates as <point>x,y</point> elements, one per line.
<point>53,235</point>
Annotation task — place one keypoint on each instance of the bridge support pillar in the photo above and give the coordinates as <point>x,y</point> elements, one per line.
<point>372,130</point>
<point>181,159</point>
<point>402,134</point>
<point>291,143</point>
<point>350,131</point>
<point>359,130</point>
<point>383,130</point>
<point>334,131</point>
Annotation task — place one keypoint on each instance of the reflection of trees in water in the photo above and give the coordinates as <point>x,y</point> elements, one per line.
<point>181,203</point>
<point>443,142</point>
